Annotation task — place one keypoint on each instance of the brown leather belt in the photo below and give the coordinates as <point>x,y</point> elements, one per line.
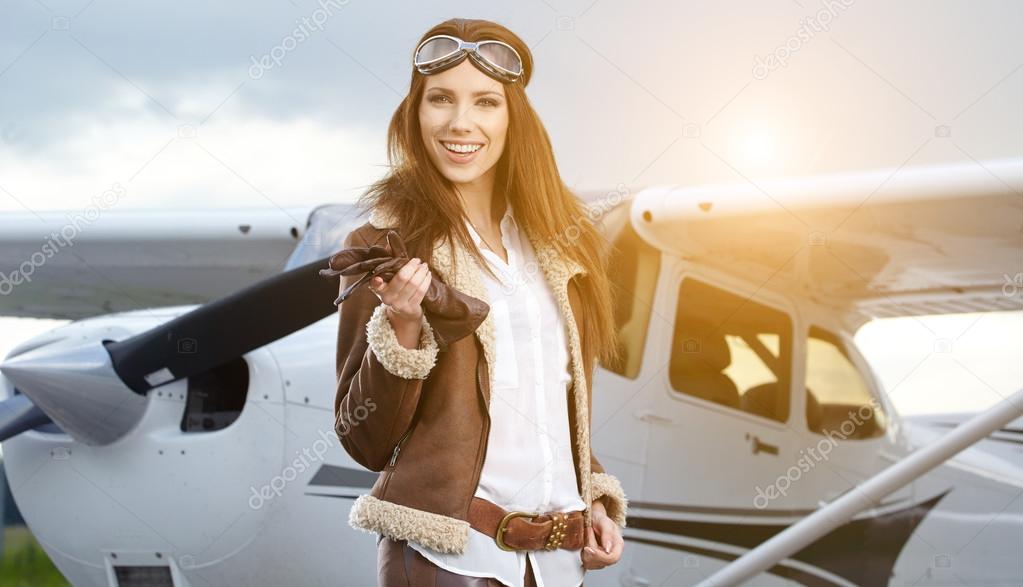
<point>525,530</point>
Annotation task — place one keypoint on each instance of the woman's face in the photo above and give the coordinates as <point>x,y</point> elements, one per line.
<point>463,107</point>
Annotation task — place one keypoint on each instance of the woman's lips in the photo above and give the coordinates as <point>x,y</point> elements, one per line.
<point>460,158</point>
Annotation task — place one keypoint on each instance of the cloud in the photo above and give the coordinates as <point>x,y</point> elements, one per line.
<point>262,162</point>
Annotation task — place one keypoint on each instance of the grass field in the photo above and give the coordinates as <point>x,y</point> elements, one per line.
<point>25,564</point>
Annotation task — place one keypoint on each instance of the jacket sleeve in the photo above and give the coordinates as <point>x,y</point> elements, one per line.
<point>379,381</point>
<point>608,489</point>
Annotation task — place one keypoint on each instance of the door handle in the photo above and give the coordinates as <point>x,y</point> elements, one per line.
<point>760,446</point>
<point>652,417</point>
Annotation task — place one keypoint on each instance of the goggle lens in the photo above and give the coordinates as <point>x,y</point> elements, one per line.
<point>501,56</point>
<point>435,49</point>
<point>439,53</point>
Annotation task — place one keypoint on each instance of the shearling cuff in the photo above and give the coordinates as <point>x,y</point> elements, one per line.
<point>607,486</point>
<point>398,360</point>
<point>400,522</point>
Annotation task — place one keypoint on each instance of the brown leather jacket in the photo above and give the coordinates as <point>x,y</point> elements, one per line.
<point>420,416</point>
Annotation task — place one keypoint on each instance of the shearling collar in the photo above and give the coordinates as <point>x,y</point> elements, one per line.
<point>469,277</point>
<point>558,270</point>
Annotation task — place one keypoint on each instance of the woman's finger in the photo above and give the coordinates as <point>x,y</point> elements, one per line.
<point>591,558</point>
<point>600,557</point>
<point>376,284</point>
<point>424,286</point>
<point>391,294</point>
<point>591,539</point>
<point>606,534</point>
<point>410,289</point>
<point>619,546</point>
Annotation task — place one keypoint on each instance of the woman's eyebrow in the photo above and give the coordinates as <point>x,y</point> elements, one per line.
<point>475,94</point>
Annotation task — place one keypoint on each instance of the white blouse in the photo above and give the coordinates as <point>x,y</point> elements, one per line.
<point>528,465</point>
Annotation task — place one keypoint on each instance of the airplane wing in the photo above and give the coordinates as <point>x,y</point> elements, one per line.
<point>75,264</point>
<point>892,242</point>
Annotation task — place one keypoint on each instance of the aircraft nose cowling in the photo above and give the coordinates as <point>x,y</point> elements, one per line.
<point>78,389</point>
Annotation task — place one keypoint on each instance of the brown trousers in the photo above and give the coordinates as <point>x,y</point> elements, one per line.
<point>400,565</point>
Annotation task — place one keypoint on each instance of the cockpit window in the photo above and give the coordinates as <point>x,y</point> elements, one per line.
<point>634,266</point>
<point>325,234</point>
<point>731,350</point>
<point>838,401</point>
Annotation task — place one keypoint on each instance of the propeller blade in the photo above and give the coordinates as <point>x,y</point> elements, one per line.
<point>224,329</point>
<point>18,414</point>
<point>96,392</point>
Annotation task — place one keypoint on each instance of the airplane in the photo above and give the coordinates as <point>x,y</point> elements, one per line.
<point>178,431</point>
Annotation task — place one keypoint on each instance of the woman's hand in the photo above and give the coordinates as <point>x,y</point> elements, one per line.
<point>403,296</point>
<point>598,556</point>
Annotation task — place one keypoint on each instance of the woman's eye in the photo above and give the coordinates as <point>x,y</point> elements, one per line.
<point>485,101</point>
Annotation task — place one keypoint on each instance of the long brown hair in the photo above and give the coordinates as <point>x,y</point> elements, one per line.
<point>428,207</point>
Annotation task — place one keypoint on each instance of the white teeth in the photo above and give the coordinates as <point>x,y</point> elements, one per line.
<point>462,148</point>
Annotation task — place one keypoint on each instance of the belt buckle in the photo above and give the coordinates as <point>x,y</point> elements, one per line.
<point>499,536</point>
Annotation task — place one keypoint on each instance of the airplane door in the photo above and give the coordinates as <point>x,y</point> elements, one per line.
<point>723,401</point>
<point>719,435</point>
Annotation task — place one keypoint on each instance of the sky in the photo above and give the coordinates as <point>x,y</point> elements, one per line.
<point>200,105</point>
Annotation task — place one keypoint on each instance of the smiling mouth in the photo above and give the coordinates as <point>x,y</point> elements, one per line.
<point>461,149</point>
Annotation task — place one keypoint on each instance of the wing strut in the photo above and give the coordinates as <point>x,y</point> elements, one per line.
<point>867,494</point>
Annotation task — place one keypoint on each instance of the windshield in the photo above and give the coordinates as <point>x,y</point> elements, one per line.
<point>325,234</point>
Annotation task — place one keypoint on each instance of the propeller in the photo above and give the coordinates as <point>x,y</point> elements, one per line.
<point>224,329</point>
<point>96,391</point>
<point>18,414</point>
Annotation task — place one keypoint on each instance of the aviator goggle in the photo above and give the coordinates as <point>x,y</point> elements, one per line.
<point>497,59</point>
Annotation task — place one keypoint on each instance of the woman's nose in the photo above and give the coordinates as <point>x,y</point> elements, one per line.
<point>461,122</point>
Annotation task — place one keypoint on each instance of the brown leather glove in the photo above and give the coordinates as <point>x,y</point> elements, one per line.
<point>451,313</point>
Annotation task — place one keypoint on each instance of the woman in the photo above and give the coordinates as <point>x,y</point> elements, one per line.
<point>487,477</point>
